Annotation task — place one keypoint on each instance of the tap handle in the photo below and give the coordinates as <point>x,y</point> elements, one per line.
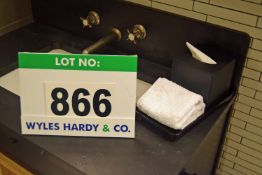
<point>138,32</point>
<point>85,22</point>
<point>131,37</point>
<point>92,19</point>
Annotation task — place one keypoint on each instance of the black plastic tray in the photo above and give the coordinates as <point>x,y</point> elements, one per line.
<point>174,134</point>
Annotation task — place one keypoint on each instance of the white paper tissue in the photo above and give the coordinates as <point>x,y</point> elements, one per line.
<point>197,54</point>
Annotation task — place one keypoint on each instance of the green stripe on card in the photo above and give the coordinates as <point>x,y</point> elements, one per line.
<point>122,63</point>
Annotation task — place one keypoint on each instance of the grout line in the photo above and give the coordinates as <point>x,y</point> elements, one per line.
<point>180,8</point>
<point>250,77</point>
<point>256,94</point>
<point>242,151</point>
<point>255,60</point>
<point>251,67</point>
<point>250,115</point>
<point>252,80</point>
<point>246,167</point>
<point>223,7</point>
<point>257,21</point>
<point>256,108</point>
<point>237,125</point>
<point>214,16</point>
<point>233,22</point>
<point>237,151</point>
<point>234,164</point>
<point>260,78</point>
<point>253,132</point>
<point>225,164</point>
<point>258,39</point>
<point>248,161</point>
<point>245,95</point>
<point>226,172</point>
<point>260,151</point>
<point>245,105</point>
<point>251,42</point>
<point>250,2</point>
<point>245,127</point>
<point>224,151</point>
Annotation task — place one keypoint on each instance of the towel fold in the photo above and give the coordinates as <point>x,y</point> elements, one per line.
<point>171,104</point>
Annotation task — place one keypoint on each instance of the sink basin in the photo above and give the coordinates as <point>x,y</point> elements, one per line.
<point>10,81</point>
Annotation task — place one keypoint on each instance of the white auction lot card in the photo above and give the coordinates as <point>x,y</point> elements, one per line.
<point>78,95</point>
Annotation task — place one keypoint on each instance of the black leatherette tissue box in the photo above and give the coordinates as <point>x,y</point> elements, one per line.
<point>212,81</point>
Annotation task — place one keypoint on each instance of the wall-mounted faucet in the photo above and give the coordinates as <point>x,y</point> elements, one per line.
<point>92,19</point>
<point>137,32</point>
<point>113,35</point>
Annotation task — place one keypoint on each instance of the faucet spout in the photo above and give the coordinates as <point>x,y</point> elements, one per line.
<point>113,35</point>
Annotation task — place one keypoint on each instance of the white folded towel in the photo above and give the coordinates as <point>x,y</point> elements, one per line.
<point>171,104</point>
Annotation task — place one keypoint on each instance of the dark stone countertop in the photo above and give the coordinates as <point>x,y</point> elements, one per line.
<point>147,154</point>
